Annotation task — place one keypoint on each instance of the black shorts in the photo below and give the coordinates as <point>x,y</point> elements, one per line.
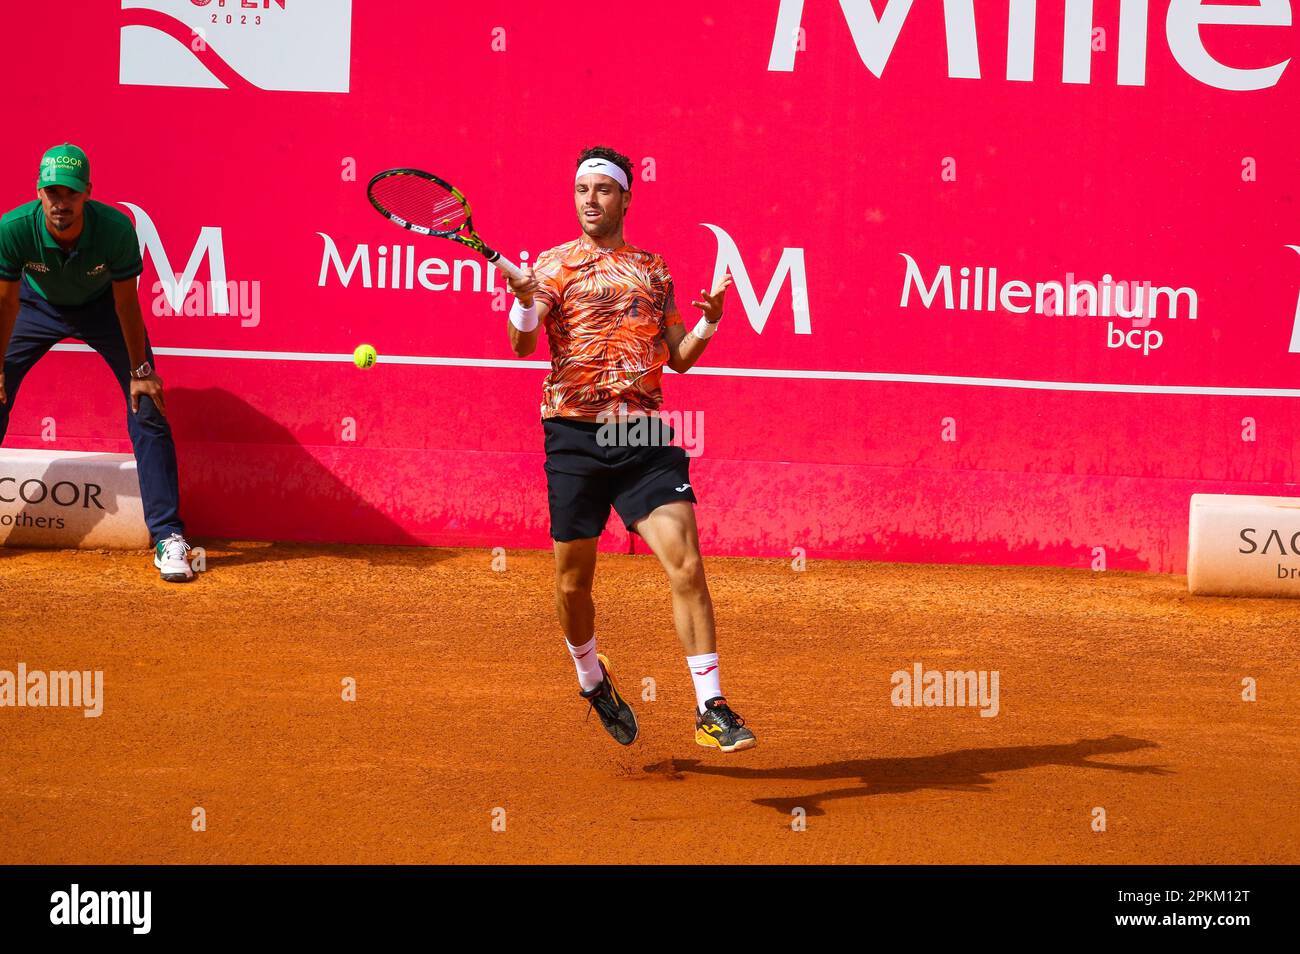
<point>591,466</point>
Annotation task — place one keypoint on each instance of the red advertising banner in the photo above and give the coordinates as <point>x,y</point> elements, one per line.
<point>1012,279</point>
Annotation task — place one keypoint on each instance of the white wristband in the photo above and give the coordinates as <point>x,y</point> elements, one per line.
<point>525,319</point>
<point>705,329</point>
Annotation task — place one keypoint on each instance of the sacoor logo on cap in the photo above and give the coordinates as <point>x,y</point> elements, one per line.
<point>64,165</point>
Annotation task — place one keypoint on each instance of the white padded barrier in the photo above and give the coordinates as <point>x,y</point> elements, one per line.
<point>69,500</point>
<point>1240,545</point>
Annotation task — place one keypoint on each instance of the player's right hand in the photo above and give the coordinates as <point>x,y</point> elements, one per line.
<point>4,399</point>
<point>524,288</point>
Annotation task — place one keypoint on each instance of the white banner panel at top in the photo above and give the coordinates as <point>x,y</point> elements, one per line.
<point>302,45</point>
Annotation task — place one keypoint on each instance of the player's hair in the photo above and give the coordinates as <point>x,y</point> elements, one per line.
<point>613,155</point>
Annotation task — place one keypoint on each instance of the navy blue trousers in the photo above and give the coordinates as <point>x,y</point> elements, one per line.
<point>39,327</point>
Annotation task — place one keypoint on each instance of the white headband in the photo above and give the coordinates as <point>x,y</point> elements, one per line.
<point>605,168</point>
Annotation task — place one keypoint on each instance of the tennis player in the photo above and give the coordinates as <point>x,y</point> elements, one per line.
<point>612,323</point>
<point>68,269</point>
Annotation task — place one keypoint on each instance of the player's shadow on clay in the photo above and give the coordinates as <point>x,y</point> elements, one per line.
<point>296,494</point>
<point>966,770</point>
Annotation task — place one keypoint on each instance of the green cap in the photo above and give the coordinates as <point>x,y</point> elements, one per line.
<point>64,165</point>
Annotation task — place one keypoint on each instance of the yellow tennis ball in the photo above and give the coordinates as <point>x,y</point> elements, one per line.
<point>365,356</point>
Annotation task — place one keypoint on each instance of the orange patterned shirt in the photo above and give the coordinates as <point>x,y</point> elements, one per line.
<point>609,309</point>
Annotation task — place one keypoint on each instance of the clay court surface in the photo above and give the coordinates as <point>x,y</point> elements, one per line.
<point>1117,690</point>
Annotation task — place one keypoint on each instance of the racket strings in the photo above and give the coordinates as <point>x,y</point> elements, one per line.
<point>420,201</point>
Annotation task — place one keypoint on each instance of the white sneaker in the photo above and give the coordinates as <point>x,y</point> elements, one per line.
<point>172,558</point>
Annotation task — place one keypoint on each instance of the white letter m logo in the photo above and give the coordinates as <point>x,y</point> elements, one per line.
<point>1295,328</point>
<point>209,244</point>
<point>791,264</point>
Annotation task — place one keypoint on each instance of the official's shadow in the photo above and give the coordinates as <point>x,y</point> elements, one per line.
<point>966,770</point>
<point>212,428</point>
<point>207,418</point>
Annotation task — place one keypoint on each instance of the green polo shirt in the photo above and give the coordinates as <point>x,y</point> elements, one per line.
<point>107,251</point>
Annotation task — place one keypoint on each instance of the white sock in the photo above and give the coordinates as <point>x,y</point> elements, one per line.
<point>585,661</point>
<point>708,680</point>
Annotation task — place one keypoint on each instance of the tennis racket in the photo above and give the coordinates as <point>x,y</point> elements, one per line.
<point>421,202</point>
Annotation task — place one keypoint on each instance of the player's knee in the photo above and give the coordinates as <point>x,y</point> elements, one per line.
<point>687,575</point>
<point>573,586</point>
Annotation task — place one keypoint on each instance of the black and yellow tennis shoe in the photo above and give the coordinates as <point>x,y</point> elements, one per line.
<point>614,712</point>
<point>717,727</point>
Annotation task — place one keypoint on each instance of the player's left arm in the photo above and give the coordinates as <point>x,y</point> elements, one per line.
<point>127,299</point>
<point>687,347</point>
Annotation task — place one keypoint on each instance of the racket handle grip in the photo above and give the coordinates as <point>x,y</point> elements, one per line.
<point>504,264</point>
